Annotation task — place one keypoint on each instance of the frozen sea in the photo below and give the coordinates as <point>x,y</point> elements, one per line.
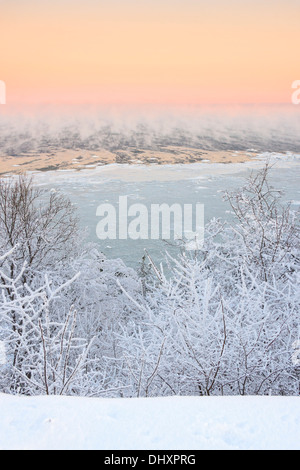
<point>157,184</point>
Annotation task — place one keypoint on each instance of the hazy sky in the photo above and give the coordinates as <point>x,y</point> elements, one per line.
<point>154,51</point>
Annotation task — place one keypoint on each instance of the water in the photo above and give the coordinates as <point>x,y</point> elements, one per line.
<point>183,184</point>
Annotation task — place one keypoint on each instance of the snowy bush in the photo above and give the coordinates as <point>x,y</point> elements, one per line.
<point>60,304</point>
<point>39,347</point>
<point>229,313</point>
<point>224,321</point>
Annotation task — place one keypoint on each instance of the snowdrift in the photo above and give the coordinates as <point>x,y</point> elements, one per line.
<point>182,423</point>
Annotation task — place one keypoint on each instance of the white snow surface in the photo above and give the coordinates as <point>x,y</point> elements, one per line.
<point>175,423</point>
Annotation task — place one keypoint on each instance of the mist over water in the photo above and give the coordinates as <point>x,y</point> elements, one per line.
<point>274,128</point>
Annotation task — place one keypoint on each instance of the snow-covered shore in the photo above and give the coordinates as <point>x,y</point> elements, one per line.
<point>182,423</point>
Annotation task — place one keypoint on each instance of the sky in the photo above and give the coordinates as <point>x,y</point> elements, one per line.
<point>149,51</point>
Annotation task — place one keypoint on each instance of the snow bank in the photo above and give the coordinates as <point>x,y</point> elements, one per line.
<point>182,423</point>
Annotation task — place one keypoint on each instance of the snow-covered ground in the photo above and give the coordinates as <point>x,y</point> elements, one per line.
<point>182,423</point>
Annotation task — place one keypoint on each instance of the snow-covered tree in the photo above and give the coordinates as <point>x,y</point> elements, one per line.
<point>228,313</point>
<point>47,271</point>
<point>224,321</point>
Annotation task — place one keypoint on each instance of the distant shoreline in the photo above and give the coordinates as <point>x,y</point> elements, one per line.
<point>83,160</point>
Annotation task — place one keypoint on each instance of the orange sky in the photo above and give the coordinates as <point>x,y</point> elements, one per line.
<point>185,51</point>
